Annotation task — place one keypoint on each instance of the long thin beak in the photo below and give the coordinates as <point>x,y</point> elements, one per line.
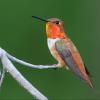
<point>40,18</point>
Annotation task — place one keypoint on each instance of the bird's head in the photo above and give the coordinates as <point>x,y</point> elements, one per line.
<point>54,27</point>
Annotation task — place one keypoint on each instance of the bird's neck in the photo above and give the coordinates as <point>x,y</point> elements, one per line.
<point>56,35</point>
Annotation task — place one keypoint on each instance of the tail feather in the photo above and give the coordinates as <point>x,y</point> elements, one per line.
<point>90,83</point>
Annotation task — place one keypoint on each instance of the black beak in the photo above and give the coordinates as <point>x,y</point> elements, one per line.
<point>40,18</point>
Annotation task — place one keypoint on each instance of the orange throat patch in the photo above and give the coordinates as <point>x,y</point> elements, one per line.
<point>56,35</point>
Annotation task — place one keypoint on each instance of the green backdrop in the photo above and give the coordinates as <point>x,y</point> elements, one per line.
<point>25,38</point>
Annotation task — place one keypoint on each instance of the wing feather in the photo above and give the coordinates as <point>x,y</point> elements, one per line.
<point>66,55</point>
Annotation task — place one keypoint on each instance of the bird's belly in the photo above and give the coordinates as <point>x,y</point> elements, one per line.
<point>53,51</point>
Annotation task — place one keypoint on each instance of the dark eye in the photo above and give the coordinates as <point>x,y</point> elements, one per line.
<point>57,22</point>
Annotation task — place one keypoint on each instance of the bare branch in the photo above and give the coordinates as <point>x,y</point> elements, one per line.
<point>20,79</point>
<point>2,75</point>
<point>31,65</point>
<point>2,70</point>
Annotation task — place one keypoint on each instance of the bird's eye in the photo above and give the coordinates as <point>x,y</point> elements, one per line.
<point>57,22</point>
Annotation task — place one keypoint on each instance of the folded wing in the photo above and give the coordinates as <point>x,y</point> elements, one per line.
<point>71,61</point>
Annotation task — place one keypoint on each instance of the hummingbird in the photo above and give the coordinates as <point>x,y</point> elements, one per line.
<point>63,49</point>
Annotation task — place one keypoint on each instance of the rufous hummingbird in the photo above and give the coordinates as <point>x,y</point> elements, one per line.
<point>63,49</point>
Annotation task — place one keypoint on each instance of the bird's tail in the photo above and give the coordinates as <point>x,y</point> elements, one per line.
<point>89,82</point>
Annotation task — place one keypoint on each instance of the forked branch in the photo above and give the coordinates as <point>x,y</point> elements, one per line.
<point>9,67</point>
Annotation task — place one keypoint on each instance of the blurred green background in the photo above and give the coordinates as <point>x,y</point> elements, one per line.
<point>25,38</point>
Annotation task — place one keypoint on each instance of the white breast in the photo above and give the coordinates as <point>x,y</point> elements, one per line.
<point>51,42</point>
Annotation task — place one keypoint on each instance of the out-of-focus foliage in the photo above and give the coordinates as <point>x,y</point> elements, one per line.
<point>25,38</point>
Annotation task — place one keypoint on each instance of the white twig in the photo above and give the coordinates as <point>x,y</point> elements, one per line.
<point>9,67</point>
<point>2,71</point>
<point>2,75</point>
<point>31,65</point>
<point>18,76</point>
